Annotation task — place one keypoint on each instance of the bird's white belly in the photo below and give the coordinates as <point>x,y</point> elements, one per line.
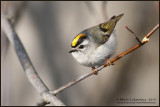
<point>99,56</point>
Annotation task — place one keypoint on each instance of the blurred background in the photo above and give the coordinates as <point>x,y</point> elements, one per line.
<point>46,30</point>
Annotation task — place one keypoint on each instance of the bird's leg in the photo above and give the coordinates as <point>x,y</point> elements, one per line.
<point>109,62</point>
<point>95,72</point>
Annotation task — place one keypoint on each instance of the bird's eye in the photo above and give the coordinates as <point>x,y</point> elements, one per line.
<point>81,46</point>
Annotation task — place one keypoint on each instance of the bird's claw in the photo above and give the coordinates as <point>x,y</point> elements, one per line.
<point>109,62</point>
<point>94,72</point>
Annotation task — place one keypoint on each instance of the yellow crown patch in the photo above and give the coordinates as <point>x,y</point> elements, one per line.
<point>75,41</point>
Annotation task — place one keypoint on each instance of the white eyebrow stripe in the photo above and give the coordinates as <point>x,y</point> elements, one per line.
<point>85,42</point>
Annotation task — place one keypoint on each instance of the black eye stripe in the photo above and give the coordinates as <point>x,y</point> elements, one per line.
<point>81,46</point>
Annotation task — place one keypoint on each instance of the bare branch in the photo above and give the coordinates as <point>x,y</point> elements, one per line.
<point>26,63</point>
<point>71,83</point>
<point>133,34</point>
<point>145,40</point>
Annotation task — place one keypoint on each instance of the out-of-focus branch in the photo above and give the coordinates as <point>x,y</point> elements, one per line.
<point>157,5</point>
<point>104,10</point>
<point>26,63</point>
<point>144,40</point>
<point>13,9</point>
<point>92,10</point>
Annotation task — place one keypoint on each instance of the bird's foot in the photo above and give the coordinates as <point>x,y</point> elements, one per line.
<point>94,72</point>
<point>109,62</point>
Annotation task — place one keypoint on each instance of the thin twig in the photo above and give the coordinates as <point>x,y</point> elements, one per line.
<point>133,34</point>
<point>26,63</point>
<point>145,40</point>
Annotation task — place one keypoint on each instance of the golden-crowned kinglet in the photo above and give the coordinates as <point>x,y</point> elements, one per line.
<point>93,46</point>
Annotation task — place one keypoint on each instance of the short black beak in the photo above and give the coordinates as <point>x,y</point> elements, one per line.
<point>72,51</point>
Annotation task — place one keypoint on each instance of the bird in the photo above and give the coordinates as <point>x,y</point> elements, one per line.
<point>94,46</point>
